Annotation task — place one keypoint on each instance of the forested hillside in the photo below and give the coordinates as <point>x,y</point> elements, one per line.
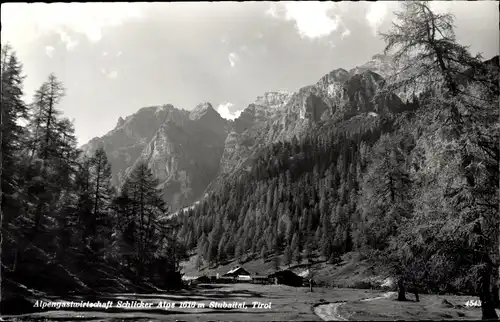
<point>416,191</point>
<point>65,228</point>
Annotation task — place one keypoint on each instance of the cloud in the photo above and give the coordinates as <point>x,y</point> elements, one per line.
<point>67,40</point>
<point>22,23</point>
<point>224,112</point>
<point>49,50</point>
<point>113,74</point>
<point>376,14</point>
<point>233,58</point>
<point>313,19</point>
<point>345,33</point>
<point>109,74</point>
<point>272,11</point>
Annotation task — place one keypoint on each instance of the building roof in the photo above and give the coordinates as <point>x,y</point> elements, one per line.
<point>236,270</point>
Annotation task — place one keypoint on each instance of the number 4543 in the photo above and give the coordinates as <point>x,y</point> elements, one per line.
<point>476,303</point>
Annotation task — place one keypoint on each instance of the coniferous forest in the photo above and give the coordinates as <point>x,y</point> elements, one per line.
<point>65,228</point>
<point>415,191</point>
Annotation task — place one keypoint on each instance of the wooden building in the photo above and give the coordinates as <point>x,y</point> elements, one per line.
<point>236,272</point>
<point>258,279</point>
<point>286,277</point>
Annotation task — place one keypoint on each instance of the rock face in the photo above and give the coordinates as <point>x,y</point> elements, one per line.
<point>125,143</point>
<point>193,151</point>
<point>380,64</point>
<point>281,116</point>
<point>182,148</point>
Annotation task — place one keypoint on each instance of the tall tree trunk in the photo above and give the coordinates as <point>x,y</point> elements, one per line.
<point>486,280</point>
<point>417,298</point>
<point>485,295</point>
<point>96,199</point>
<point>49,117</point>
<point>495,250</point>
<point>494,288</point>
<point>401,289</point>
<point>37,128</point>
<point>38,217</point>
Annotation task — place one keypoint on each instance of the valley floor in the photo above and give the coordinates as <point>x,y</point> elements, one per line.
<point>286,304</point>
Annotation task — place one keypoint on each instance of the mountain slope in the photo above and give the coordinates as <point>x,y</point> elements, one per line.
<point>182,148</point>
<point>193,152</point>
<point>336,96</point>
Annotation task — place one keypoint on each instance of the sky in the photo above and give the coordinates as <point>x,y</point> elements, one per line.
<point>115,58</point>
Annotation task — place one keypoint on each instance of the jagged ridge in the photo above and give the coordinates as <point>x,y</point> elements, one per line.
<point>191,152</point>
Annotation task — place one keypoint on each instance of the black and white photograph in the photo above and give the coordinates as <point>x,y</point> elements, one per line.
<point>250,161</point>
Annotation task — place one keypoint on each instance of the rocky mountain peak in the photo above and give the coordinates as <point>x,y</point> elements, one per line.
<point>202,110</point>
<point>274,99</point>
<point>382,58</point>
<point>339,75</point>
<point>333,83</point>
<point>120,122</point>
<point>381,64</point>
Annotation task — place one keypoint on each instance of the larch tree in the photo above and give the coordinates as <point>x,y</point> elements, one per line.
<point>12,110</point>
<point>432,63</point>
<point>100,193</point>
<point>54,153</point>
<point>145,208</point>
<point>44,119</point>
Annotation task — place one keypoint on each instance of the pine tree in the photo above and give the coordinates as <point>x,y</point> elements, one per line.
<point>297,256</point>
<point>100,193</point>
<point>12,110</point>
<point>276,262</point>
<point>287,256</point>
<point>202,246</point>
<point>145,227</point>
<point>199,262</point>
<point>263,253</point>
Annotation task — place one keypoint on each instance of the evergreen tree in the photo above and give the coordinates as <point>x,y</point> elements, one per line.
<point>98,220</point>
<point>152,240</point>
<point>12,110</point>
<point>199,262</point>
<point>263,253</point>
<point>287,256</point>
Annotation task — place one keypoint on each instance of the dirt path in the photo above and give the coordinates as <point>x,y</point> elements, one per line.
<point>330,311</point>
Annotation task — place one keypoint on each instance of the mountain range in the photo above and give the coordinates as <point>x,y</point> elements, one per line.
<point>191,152</point>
